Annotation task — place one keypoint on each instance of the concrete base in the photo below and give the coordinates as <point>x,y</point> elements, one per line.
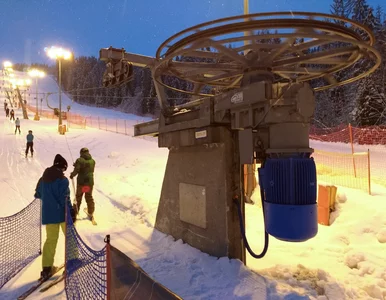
<point>196,199</point>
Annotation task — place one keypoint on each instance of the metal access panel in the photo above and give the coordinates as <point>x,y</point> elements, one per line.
<point>193,204</point>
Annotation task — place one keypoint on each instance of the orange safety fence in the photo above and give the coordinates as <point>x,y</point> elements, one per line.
<point>372,135</point>
<point>343,167</point>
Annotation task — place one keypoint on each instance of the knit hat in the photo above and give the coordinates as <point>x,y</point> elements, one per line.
<point>60,162</point>
<point>84,150</point>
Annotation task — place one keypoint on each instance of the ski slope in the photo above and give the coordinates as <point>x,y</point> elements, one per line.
<point>346,260</point>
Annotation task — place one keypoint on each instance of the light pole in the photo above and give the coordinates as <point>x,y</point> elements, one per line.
<point>59,54</point>
<point>35,73</point>
<point>246,33</point>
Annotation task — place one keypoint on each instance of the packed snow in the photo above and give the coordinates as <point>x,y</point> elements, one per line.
<point>346,260</point>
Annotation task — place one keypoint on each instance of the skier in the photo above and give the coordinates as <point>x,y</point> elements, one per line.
<point>30,143</point>
<point>7,112</point>
<point>12,113</point>
<point>84,167</point>
<point>53,189</point>
<point>17,123</point>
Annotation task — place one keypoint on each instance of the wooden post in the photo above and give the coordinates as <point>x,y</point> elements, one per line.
<point>368,170</point>
<point>125,128</point>
<point>116,125</point>
<point>99,123</point>
<point>106,124</point>
<point>352,149</point>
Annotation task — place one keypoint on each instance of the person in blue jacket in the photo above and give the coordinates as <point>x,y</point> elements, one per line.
<point>53,190</point>
<point>30,143</point>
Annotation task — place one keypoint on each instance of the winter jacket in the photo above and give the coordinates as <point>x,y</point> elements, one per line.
<point>53,190</point>
<point>17,122</point>
<point>30,138</point>
<point>84,168</point>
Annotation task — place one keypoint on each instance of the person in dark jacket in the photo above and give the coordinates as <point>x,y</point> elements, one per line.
<point>84,167</point>
<point>12,115</point>
<point>7,112</point>
<point>30,143</point>
<point>53,189</point>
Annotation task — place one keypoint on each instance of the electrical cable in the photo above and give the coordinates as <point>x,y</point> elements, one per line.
<point>242,229</point>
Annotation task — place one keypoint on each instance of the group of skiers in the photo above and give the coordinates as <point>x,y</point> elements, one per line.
<point>9,113</point>
<point>53,190</point>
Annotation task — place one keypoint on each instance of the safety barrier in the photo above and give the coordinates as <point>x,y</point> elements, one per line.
<point>107,273</point>
<point>351,138</point>
<point>345,169</point>
<point>372,135</point>
<point>20,240</point>
<point>86,269</point>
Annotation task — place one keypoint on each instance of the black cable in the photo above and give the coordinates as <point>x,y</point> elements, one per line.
<point>242,229</point>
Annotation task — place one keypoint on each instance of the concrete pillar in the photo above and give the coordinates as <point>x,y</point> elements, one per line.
<point>196,200</point>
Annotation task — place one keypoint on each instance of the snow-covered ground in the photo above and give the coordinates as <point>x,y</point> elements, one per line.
<point>346,260</point>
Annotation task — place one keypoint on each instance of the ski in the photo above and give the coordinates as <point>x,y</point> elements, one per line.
<point>91,218</point>
<point>38,284</point>
<point>52,283</point>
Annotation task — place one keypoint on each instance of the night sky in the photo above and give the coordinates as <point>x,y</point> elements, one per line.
<point>139,26</point>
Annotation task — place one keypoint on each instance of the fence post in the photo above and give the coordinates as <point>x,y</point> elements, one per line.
<point>116,125</point>
<point>108,267</point>
<point>99,123</point>
<point>368,170</point>
<point>106,123</point>
<point>125,128</point>
<point>352,149</point>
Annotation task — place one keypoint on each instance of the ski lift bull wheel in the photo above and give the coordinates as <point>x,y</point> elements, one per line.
<point>294,47</point>
<point>282,48</point>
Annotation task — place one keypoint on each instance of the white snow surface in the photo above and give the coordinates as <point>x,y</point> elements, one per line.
<point>346,260</point>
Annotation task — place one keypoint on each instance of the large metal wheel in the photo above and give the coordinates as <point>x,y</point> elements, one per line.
<point>291,47</point>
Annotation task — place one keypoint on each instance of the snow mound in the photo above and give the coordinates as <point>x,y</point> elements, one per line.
<point>314,283</point>
<point>353,259</point>
<point>381,235</point>
<point>341,197</point>
<point>113,154</point>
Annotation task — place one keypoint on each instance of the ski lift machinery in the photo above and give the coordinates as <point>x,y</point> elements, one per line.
<point>250,102</point>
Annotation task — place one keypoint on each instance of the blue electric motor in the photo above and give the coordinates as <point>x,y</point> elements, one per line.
<point>289,188</point>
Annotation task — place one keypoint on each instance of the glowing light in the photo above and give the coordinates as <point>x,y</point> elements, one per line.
<point>36,73</point>
<point>56,52</point>
<point>7,64</point>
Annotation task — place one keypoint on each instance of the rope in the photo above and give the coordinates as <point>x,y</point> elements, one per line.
<point>72,179</point>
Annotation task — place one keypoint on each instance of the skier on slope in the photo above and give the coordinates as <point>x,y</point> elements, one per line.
<point>30,143</point>
<point>12,114</point>
<point>53,189</point>
<point>17,124</point>
<point>84,167</point>
<point>7,112</point>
